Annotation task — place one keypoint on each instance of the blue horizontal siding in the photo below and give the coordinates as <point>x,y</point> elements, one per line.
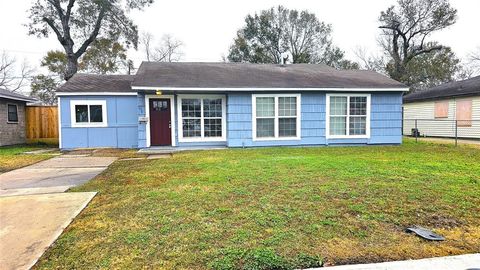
<point>386,121</point>
<point>239,118</point>
<point>121,130</point>
<point>125,131</point>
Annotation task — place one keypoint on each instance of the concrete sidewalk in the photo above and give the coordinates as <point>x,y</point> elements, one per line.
<point>460,262</point>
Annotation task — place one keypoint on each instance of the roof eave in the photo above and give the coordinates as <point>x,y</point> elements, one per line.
<point>236,89</point>
<point>440,97</point>
<point>26,99</point>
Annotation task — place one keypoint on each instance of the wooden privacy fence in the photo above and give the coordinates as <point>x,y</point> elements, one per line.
<point>42,124</point>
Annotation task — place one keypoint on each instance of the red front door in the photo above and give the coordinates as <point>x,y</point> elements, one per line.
<point>160,126</point>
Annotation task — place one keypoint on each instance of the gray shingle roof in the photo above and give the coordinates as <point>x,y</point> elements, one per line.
<point>97,83</point>
<point>469,87</point>
<point>245,75</point>
<point>15,96</point>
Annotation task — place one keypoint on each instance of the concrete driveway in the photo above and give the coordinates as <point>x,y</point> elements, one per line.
<point>34,210</point>
<point>54,175</point>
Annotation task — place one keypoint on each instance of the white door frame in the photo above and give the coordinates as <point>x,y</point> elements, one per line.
<point>172,115</point>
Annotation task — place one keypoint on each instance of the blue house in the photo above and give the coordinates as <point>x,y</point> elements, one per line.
<point>230,105</point>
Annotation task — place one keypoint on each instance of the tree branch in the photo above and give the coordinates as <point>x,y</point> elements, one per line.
<point>55,30</point>
<point>93,35</point>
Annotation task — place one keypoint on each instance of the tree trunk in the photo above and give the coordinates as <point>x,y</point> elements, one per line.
<point>72,66</point>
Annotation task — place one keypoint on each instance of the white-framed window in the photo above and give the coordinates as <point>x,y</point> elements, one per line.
<point>201,118</point>
<point>12,113</point>
<point>88,113</point>
<point>348,116</point>
<point>276,116</point>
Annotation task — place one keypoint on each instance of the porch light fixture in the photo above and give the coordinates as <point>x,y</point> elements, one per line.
<point>158,92</point>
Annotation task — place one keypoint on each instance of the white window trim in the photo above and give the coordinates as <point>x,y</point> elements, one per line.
<point>172,116</point>
<point>202,138</point>
<point>74,123</point>
<point>327,118</point>
<point>276,117</point>
<point>16,107</point>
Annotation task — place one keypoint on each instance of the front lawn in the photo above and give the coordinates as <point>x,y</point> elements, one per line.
<point>276,207</point>
<point>12,157</point>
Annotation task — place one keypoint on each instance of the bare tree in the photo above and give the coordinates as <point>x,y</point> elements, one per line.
<point>473,62</point>
<point>370,61</point>
<point>13,76</point>
<point>146,40</point>
<point>169,49</point>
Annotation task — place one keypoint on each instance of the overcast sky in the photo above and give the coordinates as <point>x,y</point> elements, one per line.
<point>208,27</point>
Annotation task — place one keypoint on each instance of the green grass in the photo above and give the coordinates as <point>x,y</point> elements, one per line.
<point>276,208</point>
<point>12,157</point>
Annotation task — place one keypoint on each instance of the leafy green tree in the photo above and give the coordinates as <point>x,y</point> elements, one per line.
<point>82,22</point>
<point>43,88</point>
<point>406,29</point>
<point>55,62</point>
<point>273,32</point>
<point>104,56</point>
<point>430,69</point>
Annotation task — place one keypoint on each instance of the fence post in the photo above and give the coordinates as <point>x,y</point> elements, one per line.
<point>456,132</point>
<point>416,130</point>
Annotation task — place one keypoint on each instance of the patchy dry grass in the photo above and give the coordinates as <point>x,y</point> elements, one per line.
<point>12,157</point>
<point>253,208</point>
<point>107,152</point>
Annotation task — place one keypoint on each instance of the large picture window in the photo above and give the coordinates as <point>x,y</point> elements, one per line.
<point>276,117</point>
<point>12,112</point>
<point>88,113</point>
<point>348,115</point>
<point>202,118</point>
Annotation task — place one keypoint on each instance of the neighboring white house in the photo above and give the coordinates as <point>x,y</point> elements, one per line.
<point>445,110</point>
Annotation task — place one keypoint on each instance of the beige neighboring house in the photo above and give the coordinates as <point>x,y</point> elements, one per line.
<point>12,117</point>
<point>444,110</point>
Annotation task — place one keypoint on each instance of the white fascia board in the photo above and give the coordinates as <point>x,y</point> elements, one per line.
<point>96,94</point>
<point>269,89</point>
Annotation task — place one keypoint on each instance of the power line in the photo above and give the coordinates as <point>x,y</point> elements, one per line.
<point>19,51</point>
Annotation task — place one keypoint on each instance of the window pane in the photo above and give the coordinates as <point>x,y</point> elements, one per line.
<point>265,127</point>
<point>96,114</point>
<point>358,105</point>
<point>212,107</point>
<point>191,128</point>
<point>213,127</point>
<point>358,125</point>
<point>160,105</point>
<point>287,127</point>
<point>81,113</point>
<point>338,105</point>
<point>287,106</point>
<point>338,125</point>
<point>191,108</point>
<point>265,106</point>
<point>12,113</point>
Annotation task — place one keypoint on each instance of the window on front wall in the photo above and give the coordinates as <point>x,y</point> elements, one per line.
<point>464,113</point>
<point>276,116</point>
<point>12,111</point>
<point>441,109</point>
<point>202,118</point>
<point>347,115</point>
<point>88,113</point>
